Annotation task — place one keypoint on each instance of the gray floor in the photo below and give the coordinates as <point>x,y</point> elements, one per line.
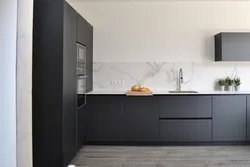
<point>180,156</point>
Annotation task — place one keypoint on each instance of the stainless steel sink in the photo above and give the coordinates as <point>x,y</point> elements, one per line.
<point>183,92</point>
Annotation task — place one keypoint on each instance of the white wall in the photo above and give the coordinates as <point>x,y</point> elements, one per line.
<point>8,24</point>
<point>15,85</point>
<point>24,83</point>
<point>161,31</point>
<point>148,41</point>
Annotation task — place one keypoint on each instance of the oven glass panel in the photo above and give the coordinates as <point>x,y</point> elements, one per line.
<point>81,60</point>
<point>81,74</point>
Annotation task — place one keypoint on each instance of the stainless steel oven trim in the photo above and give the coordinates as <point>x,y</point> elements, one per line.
<point>85,91</point>
<point>83,74</point>
<point>85,82</point>
<point>85,52</point>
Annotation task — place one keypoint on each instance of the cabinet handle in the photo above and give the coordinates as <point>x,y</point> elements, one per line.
<point>83,76</point>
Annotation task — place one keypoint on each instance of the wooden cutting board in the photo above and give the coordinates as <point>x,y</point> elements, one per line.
<point>137,93</point>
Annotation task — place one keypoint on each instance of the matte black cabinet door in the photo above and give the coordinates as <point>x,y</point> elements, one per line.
<point>140,119</point>
<point>85,37</point>
<point>105,118</point>
<point>82,30</point>
<point>248,118</point>
<point>229,118</point>
<point>185,130</point>
<point>82,117</point>
<point>90,58</point>
<point>69,84</point>
<point>186,107</point>
<point>232,46</point>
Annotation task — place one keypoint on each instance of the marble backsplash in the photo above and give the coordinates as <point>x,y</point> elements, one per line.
<point>163,75</point>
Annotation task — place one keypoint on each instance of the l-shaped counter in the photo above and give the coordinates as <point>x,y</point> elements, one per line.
<point>166,92</point>
<point>166,118</point>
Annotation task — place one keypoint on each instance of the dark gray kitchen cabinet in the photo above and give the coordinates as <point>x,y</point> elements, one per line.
<point>90,59</point>
<point>54,84</point>
<point>186,107</point>
<point>232,46</point>
<point>248,118</point>
<point>185,130</point>
<point>140,119</point>
<point>82,30</point>
<point>82,123</point>
<point>105,118</point>
<point>85,37</point>
<point>69,84</point>
<point>229,118</point>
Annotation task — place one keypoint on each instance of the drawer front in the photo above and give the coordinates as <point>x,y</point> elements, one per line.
<point>185,130</point>
<point>186,107</point>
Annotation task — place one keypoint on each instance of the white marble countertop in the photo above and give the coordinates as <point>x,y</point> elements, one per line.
<point>166,92</point>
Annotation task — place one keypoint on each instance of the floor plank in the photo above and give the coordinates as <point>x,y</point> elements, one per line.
<point>159,156</point>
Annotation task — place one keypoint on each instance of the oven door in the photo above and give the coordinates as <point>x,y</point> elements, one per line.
<point>81,90</point>
<point>81,57</point>
<point>81,60</point>
<point>81,84</point>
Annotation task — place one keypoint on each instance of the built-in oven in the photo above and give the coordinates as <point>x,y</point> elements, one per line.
<point>81,74</point>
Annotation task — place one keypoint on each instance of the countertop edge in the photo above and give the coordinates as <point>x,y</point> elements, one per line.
<point>166,93</point>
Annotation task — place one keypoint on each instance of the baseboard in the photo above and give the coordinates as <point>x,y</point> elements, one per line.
<point>207,143</point>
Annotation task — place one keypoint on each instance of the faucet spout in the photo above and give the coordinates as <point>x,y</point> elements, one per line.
<point>180,79</point>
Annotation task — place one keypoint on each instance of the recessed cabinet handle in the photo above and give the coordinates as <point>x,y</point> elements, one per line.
<point>85,76</point>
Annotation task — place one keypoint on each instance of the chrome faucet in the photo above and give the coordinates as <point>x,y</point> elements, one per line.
<point>180,80</point>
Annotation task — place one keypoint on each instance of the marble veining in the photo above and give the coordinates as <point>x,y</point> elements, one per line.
<point>24,83</point>
<point>163,75</point>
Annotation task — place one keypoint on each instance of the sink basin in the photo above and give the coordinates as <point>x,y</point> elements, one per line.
<point>183,92</point>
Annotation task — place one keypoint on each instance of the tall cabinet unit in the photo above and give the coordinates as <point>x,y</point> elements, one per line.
<point>54,83</point>
<point>69,112</point>
<point>85,37</point>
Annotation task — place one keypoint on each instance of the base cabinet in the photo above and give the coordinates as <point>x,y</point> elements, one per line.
<point>120,119</point>
<point>185,130</point>
<point>105,118</point>
<point>229,118</point>
<point>140,119</point>
<point>248,118</point>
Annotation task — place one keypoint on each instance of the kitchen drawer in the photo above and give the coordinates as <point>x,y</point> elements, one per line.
<point>186,107</point>
<point>185,130</point>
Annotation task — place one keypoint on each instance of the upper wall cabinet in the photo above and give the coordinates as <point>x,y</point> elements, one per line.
<point>232,47</point>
